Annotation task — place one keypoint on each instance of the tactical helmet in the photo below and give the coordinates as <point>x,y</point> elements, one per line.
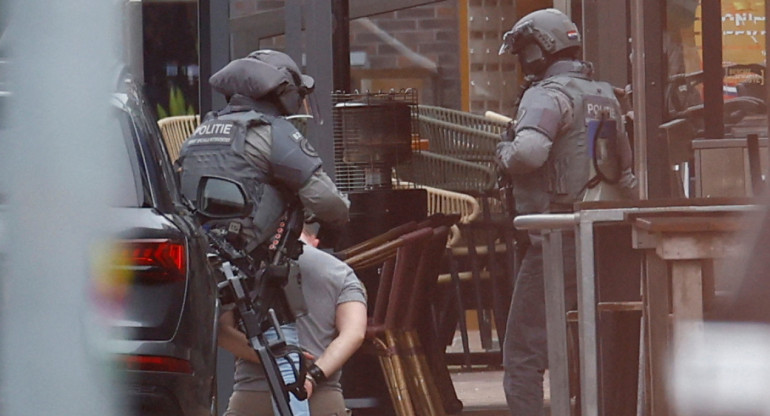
<point>264,73</point>
<point>538,36</point>
<point>298,85</point>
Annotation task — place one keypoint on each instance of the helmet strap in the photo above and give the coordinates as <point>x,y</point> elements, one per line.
<point>532,59</point>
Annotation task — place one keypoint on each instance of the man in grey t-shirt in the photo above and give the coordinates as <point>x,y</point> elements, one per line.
<point>332,331</point>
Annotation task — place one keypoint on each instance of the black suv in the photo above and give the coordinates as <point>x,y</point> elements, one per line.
<point>165,336</point>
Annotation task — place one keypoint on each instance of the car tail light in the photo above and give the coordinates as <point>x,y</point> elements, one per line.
<point>156,363</point>
<point>154,260</point>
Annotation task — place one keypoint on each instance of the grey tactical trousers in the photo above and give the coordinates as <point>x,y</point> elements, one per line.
<point>525,349</point>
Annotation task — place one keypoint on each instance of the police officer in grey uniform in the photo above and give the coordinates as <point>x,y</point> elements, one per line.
<point>251,142</point>
<point>567,144</point>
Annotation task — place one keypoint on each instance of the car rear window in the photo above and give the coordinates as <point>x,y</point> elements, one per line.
<point>131,189</point>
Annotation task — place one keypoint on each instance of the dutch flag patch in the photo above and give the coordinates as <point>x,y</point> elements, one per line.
<point>573,35</point>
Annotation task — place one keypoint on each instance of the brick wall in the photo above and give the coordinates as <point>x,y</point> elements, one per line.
<point>422,44</point>
<point>421,41</point>
<point>418,43</point>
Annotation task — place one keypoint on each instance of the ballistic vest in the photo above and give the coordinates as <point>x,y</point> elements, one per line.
<point>217,148</point>
<point>580,163</point>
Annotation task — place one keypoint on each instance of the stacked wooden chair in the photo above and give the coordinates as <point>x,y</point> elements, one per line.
<point>459,160</point>
<point>400,329</point>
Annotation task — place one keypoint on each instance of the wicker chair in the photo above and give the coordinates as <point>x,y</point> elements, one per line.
<point>175,130</point>
<point>442,201</point>
<point>389,306</point>
<point>410,355</point>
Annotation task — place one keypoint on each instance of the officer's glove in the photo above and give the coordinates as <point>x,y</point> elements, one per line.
<point>509,133</point>
<point>629,184</point>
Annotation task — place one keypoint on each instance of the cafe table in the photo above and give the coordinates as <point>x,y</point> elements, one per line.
<point>647,232</point>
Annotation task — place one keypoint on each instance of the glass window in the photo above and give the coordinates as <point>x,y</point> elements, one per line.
<point>743,54</point>
<point>131,190</point>
<point>170,50</point>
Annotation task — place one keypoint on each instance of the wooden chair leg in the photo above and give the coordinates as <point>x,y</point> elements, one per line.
<point>435,358</point>
<point>455,276</point>
<point>395,379</point>
<point>422,382</point>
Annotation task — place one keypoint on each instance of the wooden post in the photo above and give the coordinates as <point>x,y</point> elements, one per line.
<point>713,102</point>
<point>651,161</point>
<point>605,40</point>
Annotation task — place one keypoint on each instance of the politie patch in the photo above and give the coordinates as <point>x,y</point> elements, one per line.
<point>215,132</point>
<point>597,107</point>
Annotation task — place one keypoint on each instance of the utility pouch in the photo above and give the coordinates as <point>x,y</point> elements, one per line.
<point>293,290</point>
<point>603,149</point>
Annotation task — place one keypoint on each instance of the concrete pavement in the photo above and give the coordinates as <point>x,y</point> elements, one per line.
<point>481,388</point>
<point>481,391</point>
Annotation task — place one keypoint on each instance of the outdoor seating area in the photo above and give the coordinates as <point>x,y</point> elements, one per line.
<point>463,254</point>
<point>649,270</point>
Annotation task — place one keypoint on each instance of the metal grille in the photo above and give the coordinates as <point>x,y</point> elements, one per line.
<point>373,132</point>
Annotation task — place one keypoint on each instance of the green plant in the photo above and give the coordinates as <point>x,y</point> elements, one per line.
<point>177,105</point>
